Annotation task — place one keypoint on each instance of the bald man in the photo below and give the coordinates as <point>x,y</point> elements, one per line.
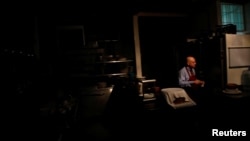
<point>187,75</point>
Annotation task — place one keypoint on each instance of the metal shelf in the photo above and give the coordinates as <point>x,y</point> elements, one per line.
<point>112,74</point>
<point>98,75</point>
<point>118,61</point>
<point>108,41</point>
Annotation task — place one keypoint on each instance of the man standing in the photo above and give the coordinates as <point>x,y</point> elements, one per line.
<point>187,74</point>
<point>188,78</point>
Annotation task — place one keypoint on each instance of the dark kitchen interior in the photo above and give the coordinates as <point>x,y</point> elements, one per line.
<point>63,60</point>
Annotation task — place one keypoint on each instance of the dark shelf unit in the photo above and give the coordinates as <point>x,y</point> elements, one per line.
<point>95,61</point>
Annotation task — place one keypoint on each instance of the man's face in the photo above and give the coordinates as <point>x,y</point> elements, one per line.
<point>191,62</point>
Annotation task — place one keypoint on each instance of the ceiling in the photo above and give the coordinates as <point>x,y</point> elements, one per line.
<point>104,7</point>
<point>131,7</point>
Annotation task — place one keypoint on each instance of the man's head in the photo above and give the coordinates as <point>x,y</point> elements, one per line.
<point>191,62</point>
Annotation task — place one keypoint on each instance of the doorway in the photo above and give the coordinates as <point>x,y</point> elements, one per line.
<point>161,39</point>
